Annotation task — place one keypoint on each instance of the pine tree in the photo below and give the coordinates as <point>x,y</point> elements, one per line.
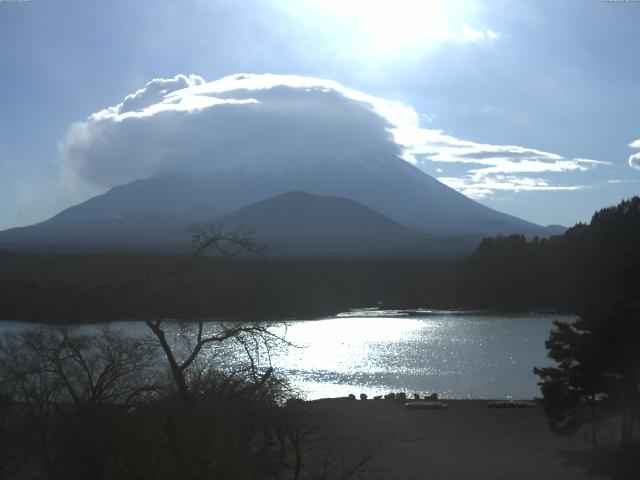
<point>598,371</point>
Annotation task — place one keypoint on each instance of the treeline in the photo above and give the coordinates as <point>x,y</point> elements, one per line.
<point>86,288</point>
<point>594,263</point>
<point>598,262</point>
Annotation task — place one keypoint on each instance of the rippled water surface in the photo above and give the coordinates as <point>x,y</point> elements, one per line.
<point>455,355</point>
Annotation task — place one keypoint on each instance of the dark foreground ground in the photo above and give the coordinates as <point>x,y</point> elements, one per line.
<point>465,441</point>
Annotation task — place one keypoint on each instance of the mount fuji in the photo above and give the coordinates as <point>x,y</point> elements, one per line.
<point>384,198</point>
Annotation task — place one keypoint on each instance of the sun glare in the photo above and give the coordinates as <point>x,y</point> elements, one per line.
<point>388,27</point>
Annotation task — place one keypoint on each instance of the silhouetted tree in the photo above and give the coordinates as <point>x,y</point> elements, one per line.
<point>68,393</point>
<point>598,371</point>
<point>224,393</point>
<point>207,239</point>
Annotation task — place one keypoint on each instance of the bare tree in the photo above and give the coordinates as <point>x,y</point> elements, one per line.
<point>66,391</point>
<point>98,368</point>
<point>320,448</point>
<point>303,424</point>
<point>208,240</point>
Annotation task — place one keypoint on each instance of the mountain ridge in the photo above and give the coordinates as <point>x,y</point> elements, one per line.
<point>295,223</point>
<point>385,184</point>
<point>302,222</point>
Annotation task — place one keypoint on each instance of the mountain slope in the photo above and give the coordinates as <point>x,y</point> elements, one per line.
<point>298,222</point>
<point>295,223</point>
<point>153,213</point>
<point>386,184</point>
<point>135,233</point>
<point>168,196</point>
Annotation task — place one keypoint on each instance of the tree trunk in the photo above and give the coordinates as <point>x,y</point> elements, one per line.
<point>626,429</point>
<point>282,451</point>
<point>46,457</point>
<point>174,446</point>
<point>176,371</point>
<point>296,473</point>
<point>594,431</point>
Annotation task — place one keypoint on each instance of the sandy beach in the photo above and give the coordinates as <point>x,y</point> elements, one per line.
<point>465,441</point>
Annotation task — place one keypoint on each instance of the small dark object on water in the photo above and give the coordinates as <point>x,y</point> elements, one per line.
<point>352,396</point>
<point>433,397</point>
<point>425,405</point>
<point>363,396</point>
<point>511,404</point>
<point>416,396</point>
<point>390,396</point>
<point>401,396</point>
<point>377,397</point>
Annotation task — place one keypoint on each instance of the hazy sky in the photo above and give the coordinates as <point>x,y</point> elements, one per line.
<point>530,107</point>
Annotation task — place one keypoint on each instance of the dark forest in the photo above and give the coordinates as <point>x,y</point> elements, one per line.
<point>595,262</point>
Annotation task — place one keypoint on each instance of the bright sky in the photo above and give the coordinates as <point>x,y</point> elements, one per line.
<point>529,107</point>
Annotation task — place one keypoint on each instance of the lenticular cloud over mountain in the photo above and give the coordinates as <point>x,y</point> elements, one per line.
<point>264,124</point>
<point>184,149</point>
<point>259,123</point>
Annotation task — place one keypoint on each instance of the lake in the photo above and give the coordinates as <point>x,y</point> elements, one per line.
<point>456,354</point>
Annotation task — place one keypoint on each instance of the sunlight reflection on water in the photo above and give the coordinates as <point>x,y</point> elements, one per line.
<point>458,356</point>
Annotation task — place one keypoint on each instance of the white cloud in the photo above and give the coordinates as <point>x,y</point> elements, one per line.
<point>634,160</point>
<point>469,34</point>
<point>155,91</point>
<point>256,122</point>
<point>492,168</point>
<point>263,123</point>
<point>484,186</point>
<point>621,180</point>
<point>592,161</point>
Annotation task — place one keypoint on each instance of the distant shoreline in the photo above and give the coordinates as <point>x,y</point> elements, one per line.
<point>351,313</point>
<point>411,399</point>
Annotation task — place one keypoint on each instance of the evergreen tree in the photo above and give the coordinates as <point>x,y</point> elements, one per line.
<point>598,371</point>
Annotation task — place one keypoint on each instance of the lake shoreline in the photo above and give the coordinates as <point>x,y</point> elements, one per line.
<point>313,316</point>
<point>330,400</point>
